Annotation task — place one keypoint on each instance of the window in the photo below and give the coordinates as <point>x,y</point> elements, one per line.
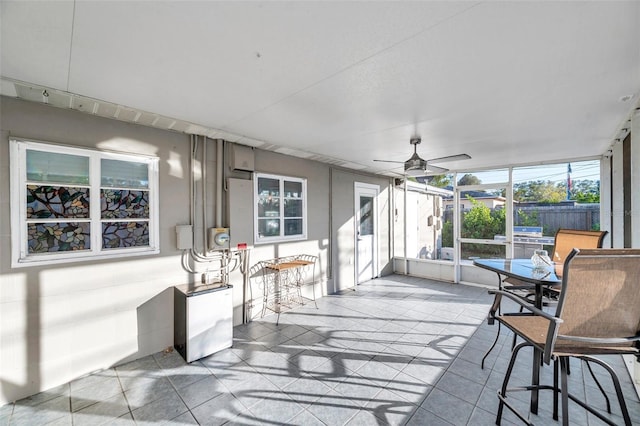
<point>70,204</point>
<point>281,208</point>
<point>551,197</point>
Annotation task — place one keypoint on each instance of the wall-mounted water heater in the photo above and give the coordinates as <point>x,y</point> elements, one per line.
<point>218,239</point>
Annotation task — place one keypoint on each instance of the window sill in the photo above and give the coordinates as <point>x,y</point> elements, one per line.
<point>43,261</point>
<point>272,240</point>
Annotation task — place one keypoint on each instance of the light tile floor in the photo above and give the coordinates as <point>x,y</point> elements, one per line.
<point>398,350</point>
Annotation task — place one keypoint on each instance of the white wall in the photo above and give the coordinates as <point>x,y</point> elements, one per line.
<point>60,322</point>
<point>240,208</point>
<point>342,231</point>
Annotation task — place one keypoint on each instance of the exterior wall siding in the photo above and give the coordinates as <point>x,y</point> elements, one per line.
<point>60,322</point>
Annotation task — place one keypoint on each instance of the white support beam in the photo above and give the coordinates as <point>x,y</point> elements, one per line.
<point>617,195</point>
<point>635,179</point>
<point>605,198</point>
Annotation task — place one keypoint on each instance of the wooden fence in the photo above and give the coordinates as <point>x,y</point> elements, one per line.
<point>552,218</point>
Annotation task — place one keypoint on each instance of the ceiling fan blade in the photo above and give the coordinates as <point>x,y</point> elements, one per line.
<point>389,161</point>
<point>449,158</point>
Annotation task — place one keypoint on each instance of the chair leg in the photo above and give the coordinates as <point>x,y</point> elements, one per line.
<point>535,380</point>
<point>495,308</point>
<point>564,390</point>
<point>595,379</point>
<point>491,348</point>
<point>502,393</point>
<point>617,387</point>
<point>556,365</point>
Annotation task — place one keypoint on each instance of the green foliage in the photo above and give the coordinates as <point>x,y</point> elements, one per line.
<point>582,191</point>
<point>498,221</point>
<point>447,234</point>
<point>481,222</point>
<point>585,191</point>
<point>587,198</point>
<point>540,191</point>
<point>525,219</point>
<point>440,181</point>
<point>477,222</point>
<point>469,179</point>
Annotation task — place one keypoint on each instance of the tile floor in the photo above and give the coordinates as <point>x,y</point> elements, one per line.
<point>399,350</point>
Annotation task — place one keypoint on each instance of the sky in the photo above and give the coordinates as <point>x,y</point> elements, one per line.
<point>581,170</point>
<point>558,172</point>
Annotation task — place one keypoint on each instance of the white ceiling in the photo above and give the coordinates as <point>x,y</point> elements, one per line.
<point>505,82</point>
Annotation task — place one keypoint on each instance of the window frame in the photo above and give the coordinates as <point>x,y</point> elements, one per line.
<point>20,256</point>
<point>256,196</point>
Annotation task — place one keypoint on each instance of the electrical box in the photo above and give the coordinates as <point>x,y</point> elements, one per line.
<point>184,237</point>
<point>218,239</point>
<point>241,158</point>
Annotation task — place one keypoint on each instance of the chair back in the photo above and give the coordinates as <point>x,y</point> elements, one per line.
<point>568,239</point>
<point>600,298</point>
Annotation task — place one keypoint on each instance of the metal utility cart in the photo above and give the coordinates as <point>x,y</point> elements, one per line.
<point>283,279</point>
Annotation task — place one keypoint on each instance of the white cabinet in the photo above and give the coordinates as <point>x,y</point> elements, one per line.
<point>203,320</point>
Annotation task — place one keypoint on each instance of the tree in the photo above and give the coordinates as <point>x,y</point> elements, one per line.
<point>584,190</point>
<point>539,191</point>
<point>477,221</point>
<point>440,181</point>
<point>481,222</point>
<point>587,198</point>
<point>469,179</point>
<point>525,219</point>
<point>447,234</point>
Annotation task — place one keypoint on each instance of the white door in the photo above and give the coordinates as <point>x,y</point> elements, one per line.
<point>366,196</point>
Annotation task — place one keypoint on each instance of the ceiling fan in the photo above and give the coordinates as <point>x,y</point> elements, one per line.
<point>416,166</point>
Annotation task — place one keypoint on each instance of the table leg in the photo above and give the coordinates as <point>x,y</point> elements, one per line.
<point>537,359</point>
<point>538,297</point>
<point>299,280</point>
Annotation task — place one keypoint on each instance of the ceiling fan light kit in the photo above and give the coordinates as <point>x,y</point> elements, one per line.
<point>415,172</point>
<point>416,166</point>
